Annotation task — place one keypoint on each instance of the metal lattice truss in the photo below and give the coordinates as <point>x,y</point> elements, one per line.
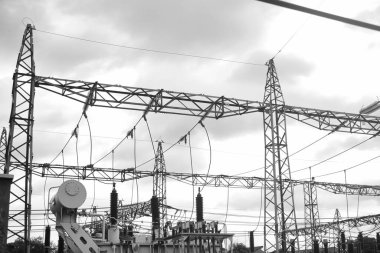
<point>3,149</point>
<point>134,211</point>
<point>311,213</point>
<point>336,225</point>
<point>122,175</point>
<point>336,232</point>
<point>200,105</point>
<point>19,147</point>
<point>159,183</point>
<point>19,150</point>
<point>279,193</point>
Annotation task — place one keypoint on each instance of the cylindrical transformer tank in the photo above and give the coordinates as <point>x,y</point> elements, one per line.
<point>199,206</point>
<point>71,194</point>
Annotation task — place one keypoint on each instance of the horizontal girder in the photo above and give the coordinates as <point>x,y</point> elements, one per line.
<point>200,105</point>
<point>352,222</point>
<point>121,175</point>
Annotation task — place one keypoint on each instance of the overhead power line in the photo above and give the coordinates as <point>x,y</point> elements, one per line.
<point>152,50</point>
<point>349,168</point>
<point>350,21</point>
<point>335,155</point>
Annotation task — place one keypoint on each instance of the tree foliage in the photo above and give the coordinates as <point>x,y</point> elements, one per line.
<point>18,246</point>
<point>240,248</point>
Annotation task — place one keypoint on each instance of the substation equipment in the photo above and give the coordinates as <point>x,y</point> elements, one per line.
<point>113,236</point>
<point>279,210</point>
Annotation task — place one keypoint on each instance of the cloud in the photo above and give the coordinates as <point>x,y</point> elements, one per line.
<point>171,24</point>
<point>370,15</point>
<point>290,70</point>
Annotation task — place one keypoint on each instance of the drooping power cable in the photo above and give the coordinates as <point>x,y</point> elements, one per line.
<point>152,50</point>
<point>67,142</point>
<point>150,135</point>
<point>335,155</point>
<point>192,175</point>
<point>298,151</point>
<point>90,133</point>
<point>209,144</point>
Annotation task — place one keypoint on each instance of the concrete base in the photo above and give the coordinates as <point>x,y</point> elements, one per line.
<point>5,187</point>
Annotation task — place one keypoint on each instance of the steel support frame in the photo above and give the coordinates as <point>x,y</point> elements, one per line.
<point>338,224</point>
<point>279,193</point>
<point>115,96</point>
<point>189,104</point>
<point>121,175</point>
<point>19,147</point>
<point>3,150</point>
<point>159,185</point>
<point>133,211</point>
<point>311,214</point>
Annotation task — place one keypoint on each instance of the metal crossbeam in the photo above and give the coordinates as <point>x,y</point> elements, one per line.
<point>121,175</point>
<point>19,150</point>
<point>149,100</point>
<point>352,223</point>
<point>171,102</point>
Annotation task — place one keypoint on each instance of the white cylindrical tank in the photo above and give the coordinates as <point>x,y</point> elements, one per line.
<point>71,194</point>
<point>114,234</point>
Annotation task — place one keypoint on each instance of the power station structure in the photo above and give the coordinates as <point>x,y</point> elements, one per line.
<point>103,237</point>
<point>159,190</point>
<point>280,230</point>
<point>311,213</point>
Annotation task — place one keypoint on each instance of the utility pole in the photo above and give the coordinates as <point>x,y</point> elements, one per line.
<point>279,200</point>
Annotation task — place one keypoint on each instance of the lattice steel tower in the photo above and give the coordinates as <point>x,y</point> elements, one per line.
<point>19,150</point>
<point>311,213</point>
<point>159,182</point>
<point>279,213</point>
<point>3,148</point>
<point>338,229</point>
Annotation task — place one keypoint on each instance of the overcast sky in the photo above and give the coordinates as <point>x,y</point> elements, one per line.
<point>324,64</point>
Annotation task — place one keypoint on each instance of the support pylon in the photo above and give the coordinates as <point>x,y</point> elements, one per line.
<point>311,214</point>
<point>279,212</point>
<point>19,150</point>
<point>159,184</point>
<point>3,148</point>
<point>336,236</point>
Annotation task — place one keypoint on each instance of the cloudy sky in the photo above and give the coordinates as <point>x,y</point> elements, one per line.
<point>323,64</point>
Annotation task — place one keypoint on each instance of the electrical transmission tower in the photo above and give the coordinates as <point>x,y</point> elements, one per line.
<point>337,230</point>
<point>279,201</point>
<point>19,149</point>
<point>311,213</point>
<point>159,182</point>
<point>3,149</point>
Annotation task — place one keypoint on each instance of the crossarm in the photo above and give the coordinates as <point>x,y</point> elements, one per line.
<point>335,121</point>
<point>154,100</point>
<point>353,222</point>
<point>121,175</point>
<point>200,105</point>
